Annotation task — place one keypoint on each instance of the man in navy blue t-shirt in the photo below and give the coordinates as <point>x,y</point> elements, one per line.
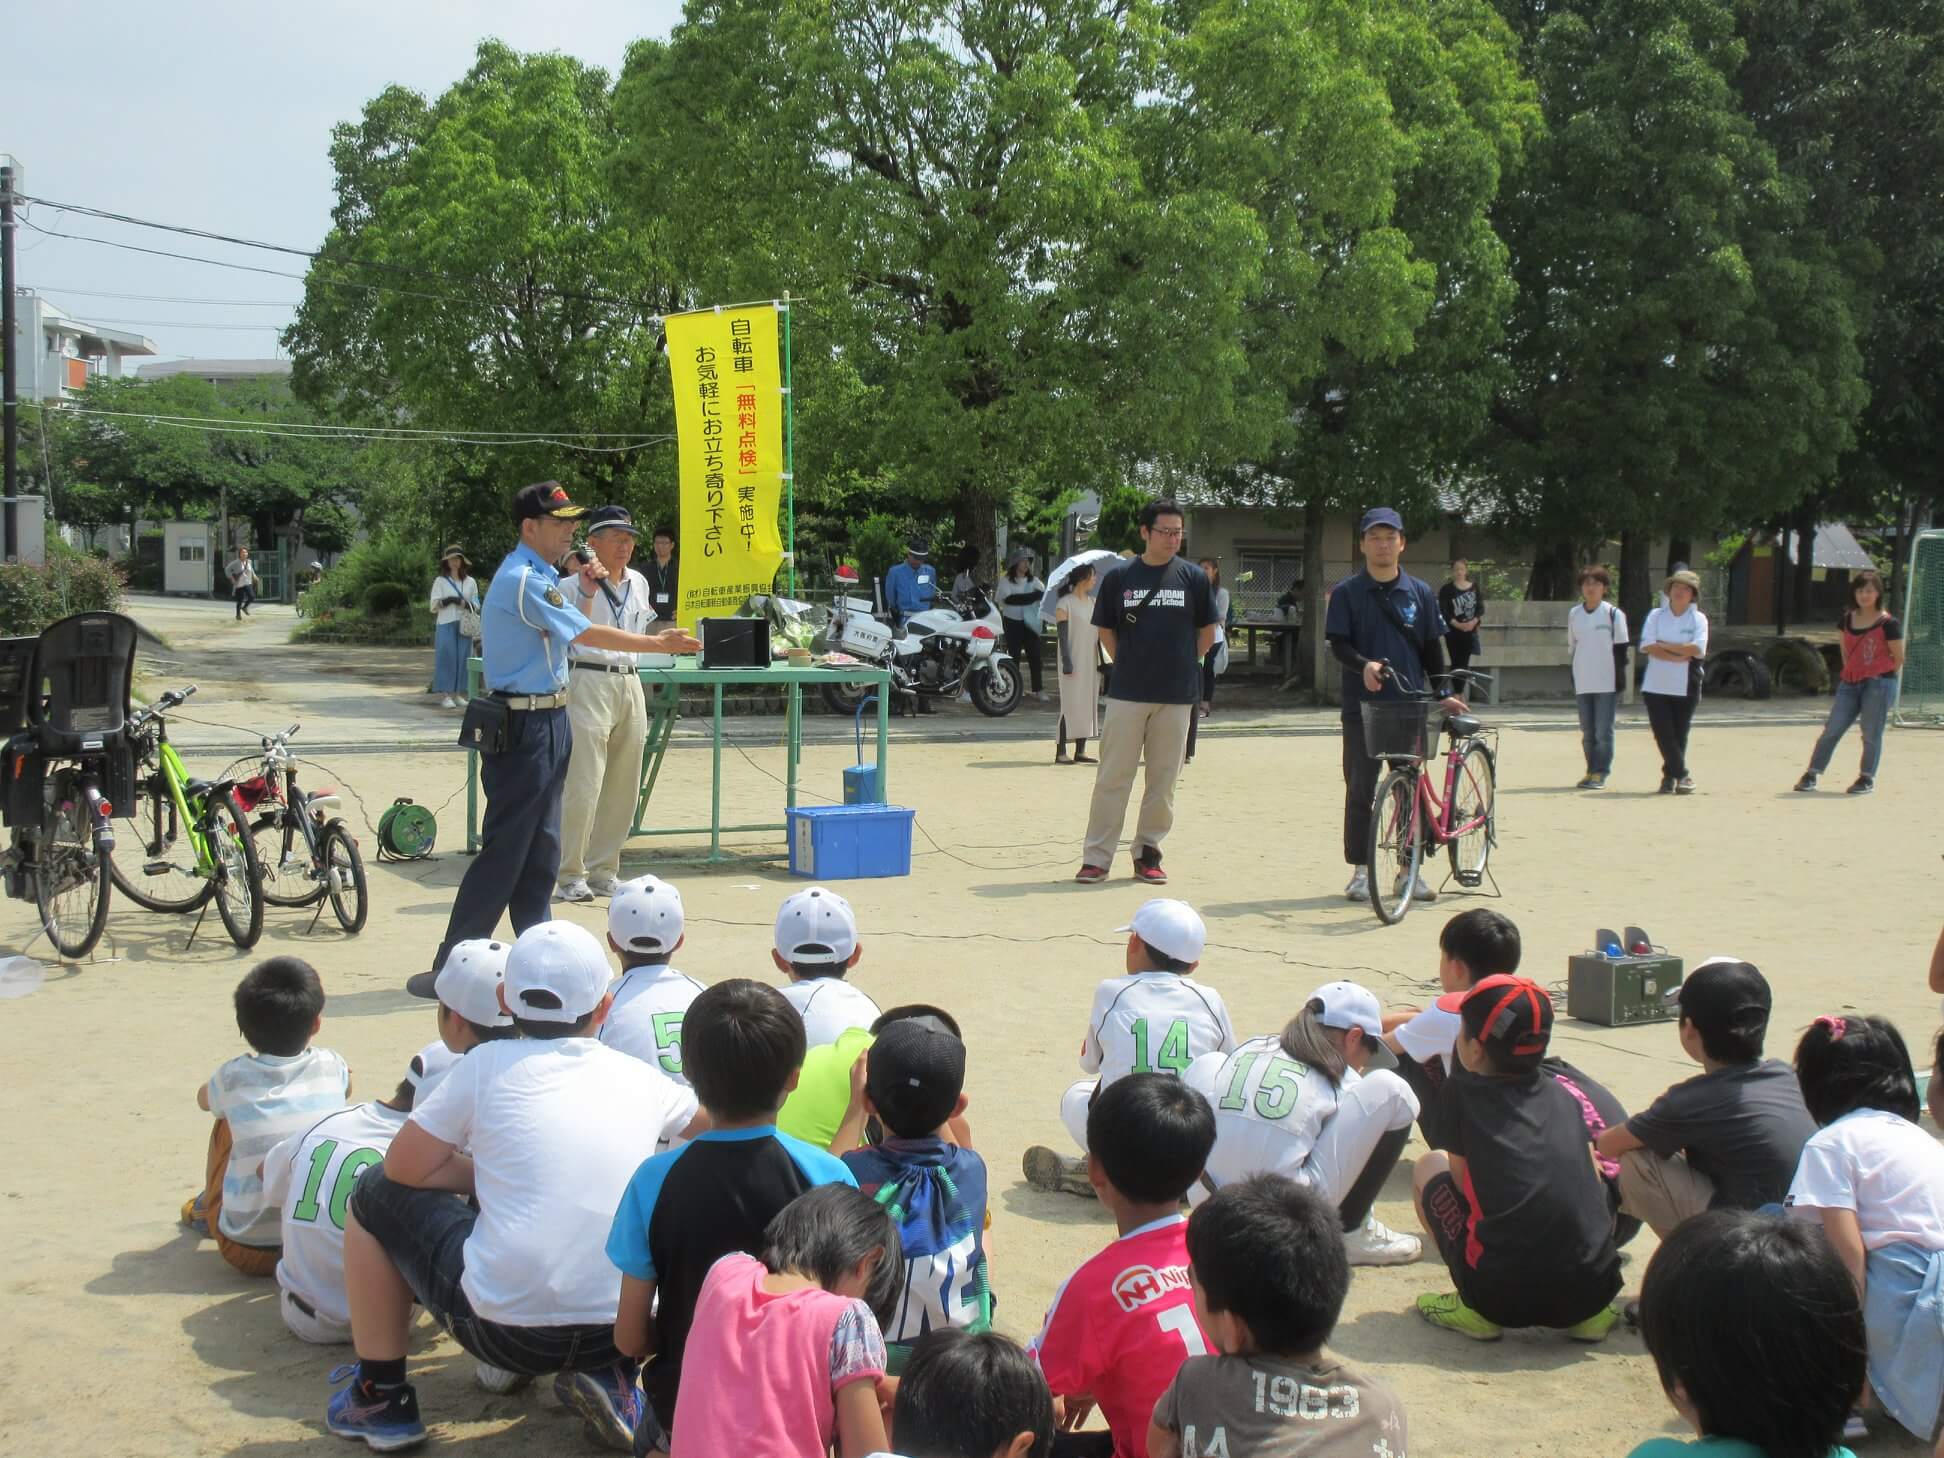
<point>1379,615</point>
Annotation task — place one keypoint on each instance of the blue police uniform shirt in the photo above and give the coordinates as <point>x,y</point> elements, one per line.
<point>910,591</point>
<point>1357,612</point>
<point>526,624</point>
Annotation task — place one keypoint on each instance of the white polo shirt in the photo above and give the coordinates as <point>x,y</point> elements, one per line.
<point>1592,637</point>
<point>635,615</point>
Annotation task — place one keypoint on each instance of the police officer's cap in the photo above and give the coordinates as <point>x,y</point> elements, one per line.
<point>918,547</point>
<point>546,498</point>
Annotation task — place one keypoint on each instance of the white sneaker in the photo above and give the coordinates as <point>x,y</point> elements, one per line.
<point>963,698</point>
<point>448,702</point>
<point>1359,887</point>
<point>497,1379</point>
<point>1376,1244</point>
<point>1056,1173</point>
<point>603,885</point>
<point>1420,891</point>
<point>574,891</point>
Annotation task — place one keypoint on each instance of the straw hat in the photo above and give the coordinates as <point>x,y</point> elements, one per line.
<point>453,551</point>
<point>1686,579</point>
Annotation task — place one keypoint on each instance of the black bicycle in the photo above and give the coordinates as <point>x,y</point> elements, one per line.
<point>307,852</point>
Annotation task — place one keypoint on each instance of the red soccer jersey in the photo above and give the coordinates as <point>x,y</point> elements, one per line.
<point>1120,1328</point>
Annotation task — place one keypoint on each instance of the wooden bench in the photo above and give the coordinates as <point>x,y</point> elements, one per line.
<point>1527,642</point>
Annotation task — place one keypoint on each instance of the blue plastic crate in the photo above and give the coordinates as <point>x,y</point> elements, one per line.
<point>850,842</point>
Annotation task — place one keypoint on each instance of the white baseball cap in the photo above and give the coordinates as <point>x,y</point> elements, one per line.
<point>816,925</point>
<point>430,1064</point>
<point>1172,928</point>
<point>562,963</point>
<point>1346,1005</point>
<point>469,981</point>
<point>645,915</point>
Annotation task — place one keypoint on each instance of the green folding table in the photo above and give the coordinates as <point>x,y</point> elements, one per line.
<point>664,689</point>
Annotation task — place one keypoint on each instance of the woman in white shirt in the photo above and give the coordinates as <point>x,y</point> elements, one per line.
<point>1019,600</point>
<point>454,587</point>
<point>1596,636</point>
<point>1675,640</point>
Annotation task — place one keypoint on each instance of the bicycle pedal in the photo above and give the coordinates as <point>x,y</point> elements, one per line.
<point>1469,878</point>
<point>156,868</point>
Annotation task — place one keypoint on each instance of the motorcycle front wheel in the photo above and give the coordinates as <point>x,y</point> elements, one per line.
<point>996,689</point>
<point>843,698</point>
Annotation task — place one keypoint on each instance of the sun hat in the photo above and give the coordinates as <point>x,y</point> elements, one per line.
<point>1687,579</point>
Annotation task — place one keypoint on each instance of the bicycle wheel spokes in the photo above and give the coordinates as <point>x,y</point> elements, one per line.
<point>71,887</point>
<point>239,887</point>
<point>344,876</point>
<point>1473,815</point>
<point>285,859</point>
<point>154,860</point>
<point>1394,846</point>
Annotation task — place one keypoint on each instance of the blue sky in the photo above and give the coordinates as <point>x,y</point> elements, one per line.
<point>218,116</point>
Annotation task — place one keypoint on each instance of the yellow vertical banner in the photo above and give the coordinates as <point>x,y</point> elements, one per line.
<point>729,430</point>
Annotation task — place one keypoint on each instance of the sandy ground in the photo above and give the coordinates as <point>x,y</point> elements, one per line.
<point>127,1335</point>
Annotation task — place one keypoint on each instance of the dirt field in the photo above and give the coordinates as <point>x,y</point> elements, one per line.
<point>126,1335</point>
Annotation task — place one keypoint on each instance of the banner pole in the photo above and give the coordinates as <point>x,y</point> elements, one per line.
<point>789,457</point>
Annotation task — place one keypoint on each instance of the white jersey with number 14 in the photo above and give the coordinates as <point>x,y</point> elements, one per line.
<point>1153,1022</point>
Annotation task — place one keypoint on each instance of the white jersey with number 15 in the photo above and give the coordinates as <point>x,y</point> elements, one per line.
<point>1153,1022</point>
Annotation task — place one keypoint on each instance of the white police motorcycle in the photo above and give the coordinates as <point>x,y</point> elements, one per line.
<point>938,654</point>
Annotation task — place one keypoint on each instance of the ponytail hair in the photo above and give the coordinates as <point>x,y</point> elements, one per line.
<point>1307,1041</point>
<point>1850,1063</point>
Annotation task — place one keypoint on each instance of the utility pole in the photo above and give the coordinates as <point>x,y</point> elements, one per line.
<point>9,365</point>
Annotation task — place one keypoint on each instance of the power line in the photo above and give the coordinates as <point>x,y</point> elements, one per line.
<point>185,324</point>
<point>400,436</point>
<point>168,298</point>
<point>400,430</point>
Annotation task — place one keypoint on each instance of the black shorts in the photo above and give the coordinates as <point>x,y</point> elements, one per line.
<point>1449,1213</point>
<point>1537,1298</point>
<point>424,1232</point>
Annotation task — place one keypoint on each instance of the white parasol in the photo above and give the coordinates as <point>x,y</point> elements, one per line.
<point>1056,580</point>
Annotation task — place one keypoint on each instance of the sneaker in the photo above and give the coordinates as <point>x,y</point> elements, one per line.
<point>1449,1312</point>
<point>1684,785</point>
<point>1863,786</point>
<point>1091,875</point>
<point>1376,1244</point>
<point>1055,1173</point>
<point>195,1215</point>
<point>608,1401</point>
<point>387,1421</point>
<point>1596,782</point>
<point>1420,891</point>
<point>576,890</point>
<point>603,885</point>
<point>1148,869</point>
<point>448,702</point>
<point>1807,784</point>
<point>1588,782</point>
<point>1596,1326</point>
<point>497,1380</point>
<point>1359,887</point>
<point>1667,784</point>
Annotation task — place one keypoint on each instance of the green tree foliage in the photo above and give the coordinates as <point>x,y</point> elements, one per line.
<point>1683,349</point>
<point>478,277</point>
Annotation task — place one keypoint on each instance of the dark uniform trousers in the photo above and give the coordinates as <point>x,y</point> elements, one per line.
<point>519,839</point>
<point>1360,773</point>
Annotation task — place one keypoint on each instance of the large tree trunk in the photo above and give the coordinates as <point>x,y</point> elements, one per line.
<point>1555,565</point>
<point>1803,578</point>
<point>1679,549</point>
<point>1637,582</point>
<point>1306,660</point>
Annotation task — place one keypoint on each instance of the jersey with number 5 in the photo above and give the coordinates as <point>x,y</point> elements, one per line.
<point>645,1021</point>
<point>1121,1326</point>
<point>1268,1107</point>
<point>309,1176</point>
<point>1153,1022</point>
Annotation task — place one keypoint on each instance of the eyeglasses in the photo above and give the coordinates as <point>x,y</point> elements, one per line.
<point>1167,531</point>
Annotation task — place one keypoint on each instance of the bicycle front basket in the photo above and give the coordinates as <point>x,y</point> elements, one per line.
<point>1399,728</point>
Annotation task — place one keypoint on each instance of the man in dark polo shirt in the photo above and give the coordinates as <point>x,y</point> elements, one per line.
<point>1156,621</point>
<point>1379,615</point>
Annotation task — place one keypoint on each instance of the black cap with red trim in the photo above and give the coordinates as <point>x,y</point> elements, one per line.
<point>1511,1016</point>
<point>546,498</point>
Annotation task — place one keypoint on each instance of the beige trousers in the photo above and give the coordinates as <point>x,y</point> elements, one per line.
<point>1129,733</point>
<point>1662,1190</point>
<point>609,718</point>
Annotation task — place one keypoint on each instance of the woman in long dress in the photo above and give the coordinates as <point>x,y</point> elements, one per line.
<point>1079,667</point>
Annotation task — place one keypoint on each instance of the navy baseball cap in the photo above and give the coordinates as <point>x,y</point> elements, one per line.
<point>1380,516</point>
<point>545,498</point>
<point>616,518</point>
<point>918,547</point>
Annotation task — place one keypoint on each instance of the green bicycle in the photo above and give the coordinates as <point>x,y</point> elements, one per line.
<point>191,841</point>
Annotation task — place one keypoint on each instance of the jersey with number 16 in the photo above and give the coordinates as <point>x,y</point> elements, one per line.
<point>310,1176</point>
<point>1153,1022</point>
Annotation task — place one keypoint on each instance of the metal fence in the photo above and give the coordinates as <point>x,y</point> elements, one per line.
<point>1921,697</point>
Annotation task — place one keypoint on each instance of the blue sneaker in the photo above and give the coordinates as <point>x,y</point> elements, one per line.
<point>386,1421</point>
<point>608,1401</point>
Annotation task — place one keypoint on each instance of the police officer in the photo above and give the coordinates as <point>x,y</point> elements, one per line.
<point>527,626</point>
<point>1379,615</point>
<point>910,586</point>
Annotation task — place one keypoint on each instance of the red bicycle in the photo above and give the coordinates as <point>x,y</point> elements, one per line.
<point>1407,812</point>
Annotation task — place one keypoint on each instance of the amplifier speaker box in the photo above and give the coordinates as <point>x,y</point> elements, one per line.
<point>735,643</point>
<point>1620,991</point>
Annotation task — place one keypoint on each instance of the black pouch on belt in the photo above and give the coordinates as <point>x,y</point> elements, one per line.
<point>487,726</point>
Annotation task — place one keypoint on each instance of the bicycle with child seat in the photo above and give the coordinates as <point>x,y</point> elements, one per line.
<point>307,853</point>
<point>191,842</point>
<point>1407,812</point>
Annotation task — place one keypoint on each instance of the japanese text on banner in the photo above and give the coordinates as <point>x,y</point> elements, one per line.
<point>729,425</point>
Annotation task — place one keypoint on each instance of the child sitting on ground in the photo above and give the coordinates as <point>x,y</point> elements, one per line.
<point>742,1046</point>
<point>1309,1106</point>
<point>259,1099</point>
<point>1876,1180</point>
<point>934,1189</point>
<point>1757,1334</point>
<point>966,1395</point>
<point>1730,1136</point>
<point>1269,1275</point>
<point>469,1013</point>
<point>1517,1207</point>
<point>786,1352</point>
<point>816,944</point>
<point>1153,1019</point>
<point>1121,1326</point>
<point>646,928</point>
<point>309,1176</point>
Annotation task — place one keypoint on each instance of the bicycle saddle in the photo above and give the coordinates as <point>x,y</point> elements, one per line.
<point>1461,725</point>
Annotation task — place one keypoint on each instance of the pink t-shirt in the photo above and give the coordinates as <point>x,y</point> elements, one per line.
<point>761,1373</point>
<point>1121,1327</point>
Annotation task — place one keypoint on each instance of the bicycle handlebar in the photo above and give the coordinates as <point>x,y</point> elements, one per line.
<point>1472,675</point>
<point>170,700</point>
